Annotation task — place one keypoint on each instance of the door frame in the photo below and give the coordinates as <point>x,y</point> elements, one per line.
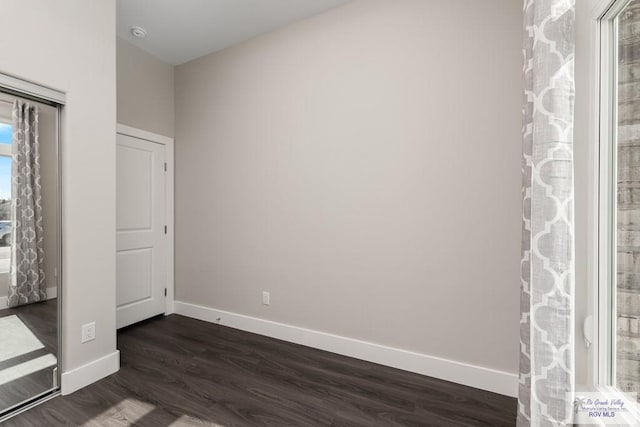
<point>168,143</point>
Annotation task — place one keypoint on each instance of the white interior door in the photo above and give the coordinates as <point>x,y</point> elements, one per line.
<point>140,230</point>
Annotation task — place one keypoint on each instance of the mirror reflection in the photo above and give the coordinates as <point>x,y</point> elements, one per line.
<point>28,250</point>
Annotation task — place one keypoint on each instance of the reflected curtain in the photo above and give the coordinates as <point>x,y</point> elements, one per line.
<point>27,251</point>
<point>546,380</point>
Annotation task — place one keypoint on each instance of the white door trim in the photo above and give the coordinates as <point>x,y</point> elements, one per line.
<point>169,176</point>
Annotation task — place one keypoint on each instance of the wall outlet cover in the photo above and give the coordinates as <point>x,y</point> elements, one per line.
<point>88,332</point>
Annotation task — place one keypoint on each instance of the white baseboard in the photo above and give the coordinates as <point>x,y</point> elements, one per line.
<point>504,383</point>
<point>84,375</point>
<point>51,294</point>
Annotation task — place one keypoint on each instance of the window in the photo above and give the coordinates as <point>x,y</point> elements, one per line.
<point>618,294</point>
<point>626,282</point>
<point>5,196</point>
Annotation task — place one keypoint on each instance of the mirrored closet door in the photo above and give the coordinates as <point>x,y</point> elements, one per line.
<point>29,250</point>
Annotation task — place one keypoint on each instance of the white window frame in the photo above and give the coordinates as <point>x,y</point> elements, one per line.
<point>605,162</point>
<point>603,196</point>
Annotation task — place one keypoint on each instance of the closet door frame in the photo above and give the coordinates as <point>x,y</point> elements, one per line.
<point>30,91</point>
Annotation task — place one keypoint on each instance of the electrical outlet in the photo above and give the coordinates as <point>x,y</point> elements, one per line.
<point>266,296</point>
<point>88,332</point>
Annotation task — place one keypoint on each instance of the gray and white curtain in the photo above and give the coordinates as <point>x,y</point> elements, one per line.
<point>27,251</point>
<point>547,268</point>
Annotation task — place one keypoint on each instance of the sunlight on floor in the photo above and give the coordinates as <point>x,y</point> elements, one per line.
<point>17,341</point>
<point>127,412</point>
<point>22,340</point>
<point>190,421</point>
<point>27,368</point>
<point>130,412</point>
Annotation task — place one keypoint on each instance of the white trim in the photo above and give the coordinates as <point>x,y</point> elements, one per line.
<point>597,237</point>
<point>52,293</point>
<point>169,216</point>
<point>143,134</point>
<point>169,208</point>
<point>30,88</point>
<point>458,372</point>
<point>89,373</point>
<point>601,240</point>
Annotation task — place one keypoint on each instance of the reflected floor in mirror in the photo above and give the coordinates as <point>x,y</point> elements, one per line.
<point>28,352</point>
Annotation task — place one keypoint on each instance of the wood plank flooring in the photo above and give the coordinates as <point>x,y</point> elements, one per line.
<point>178,371</point>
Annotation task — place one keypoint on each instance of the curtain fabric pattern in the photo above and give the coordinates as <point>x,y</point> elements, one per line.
<point>27,250</point>
<point>547,268</point>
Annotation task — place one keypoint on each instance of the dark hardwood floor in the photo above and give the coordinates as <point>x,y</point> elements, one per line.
<point>178,371</point>
<point>41,319</point>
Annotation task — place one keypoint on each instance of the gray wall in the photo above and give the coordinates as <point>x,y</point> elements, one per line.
<point>145,90</point>
<point>364,167</point>
<point>71,46</point>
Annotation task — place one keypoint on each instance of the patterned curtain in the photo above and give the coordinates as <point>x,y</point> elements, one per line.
<point>27,252</point>
<point>547,268</point>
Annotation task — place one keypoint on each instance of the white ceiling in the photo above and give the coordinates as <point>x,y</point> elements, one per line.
<point>181,30</point>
